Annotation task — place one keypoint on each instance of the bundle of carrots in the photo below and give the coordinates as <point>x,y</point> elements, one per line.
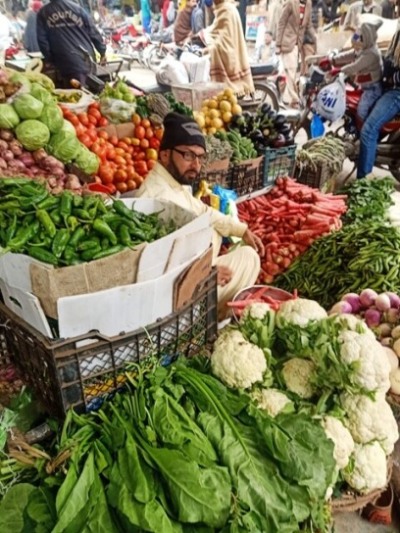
<point>288,219</point>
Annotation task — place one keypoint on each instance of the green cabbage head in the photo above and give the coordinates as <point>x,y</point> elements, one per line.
<point>27,106</point>
<point>32,134</point>
<point>64,146</point>
<point>8,117</point>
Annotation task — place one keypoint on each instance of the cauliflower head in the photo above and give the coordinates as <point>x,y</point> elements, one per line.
<point>256,310</point>
<point>353,323</point>
<point>370,468</point>
<point>237,362</point>
<point>373,368</point>
<point>342,439</point>
<point>297,373</point>
<point>272,401</point>
<point>300,312</point>
<point>369,420</point>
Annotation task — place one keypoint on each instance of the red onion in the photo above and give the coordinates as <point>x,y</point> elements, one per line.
<point>8,155</point>
<point>341,307</point>
<point>50,163</point>
<point>367,297</point>
<point>52,182</point>
<point>27,159</point>
<point>3,164</point>
<point>56,171</point>
<point>16,164</point>
<point>354,300</point>
<point>3,146</point>
<point>15,147</point>
<point>72,182</point>
<point>35,170</point>
<point>6,135</point>
<point>40,154</point>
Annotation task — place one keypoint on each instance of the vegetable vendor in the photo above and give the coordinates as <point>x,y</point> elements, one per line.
<point>182,153</point>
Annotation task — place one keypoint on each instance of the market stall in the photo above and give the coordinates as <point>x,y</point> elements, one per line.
<point>274,422</point>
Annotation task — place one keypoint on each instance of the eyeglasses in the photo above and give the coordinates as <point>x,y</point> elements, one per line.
<point>191,156</point>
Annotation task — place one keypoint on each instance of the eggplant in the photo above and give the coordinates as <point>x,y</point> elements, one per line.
<point>272,114</point>
<point>280,119</point>
<point>265,109</point>
<point>284,128</point>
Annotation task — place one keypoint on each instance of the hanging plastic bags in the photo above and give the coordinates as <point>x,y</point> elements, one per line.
<point>331,100</point>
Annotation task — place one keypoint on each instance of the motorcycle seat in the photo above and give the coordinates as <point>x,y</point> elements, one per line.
<point>264,69</point>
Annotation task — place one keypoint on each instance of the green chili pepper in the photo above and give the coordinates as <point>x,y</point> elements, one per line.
<point>105,243</point>
<point>104,229</point>
<point>11,229</point>
<point>77,200</point>
<point>46,222</point>
<point>111,251</point>
<point>139,234</point>
<point>88,245</point>
<point>23,236</point>
<point>90,201</point>
<point>124,235</point>
<point>88,255</point>
<point>42,255</point>
<point>93,210</point>
<point>8,205</point>
<point>55,216</point>
<point>60,241</point>
<point>48,203</point>
<point>124,211</point>
<point>31,188</point>
<point>101,207</point>
<point>28,219</point>
<point>77,236</point>
<point>72,223</point>
<point>66,204</point>
<point>82,214</point>
<point>6,182</point>
<point>70,254</point>
<point>29,201</point>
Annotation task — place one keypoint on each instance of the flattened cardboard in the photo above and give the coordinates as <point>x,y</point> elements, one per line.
<point>186,284</point>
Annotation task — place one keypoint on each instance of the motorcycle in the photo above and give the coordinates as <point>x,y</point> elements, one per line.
<point>388,149</point>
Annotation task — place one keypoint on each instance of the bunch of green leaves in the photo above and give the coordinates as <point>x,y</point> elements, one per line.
<point>260,331</point>
<point>178,107</point>
<point>368,199</point>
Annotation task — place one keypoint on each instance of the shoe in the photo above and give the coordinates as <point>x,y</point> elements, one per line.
<point>380,511</point>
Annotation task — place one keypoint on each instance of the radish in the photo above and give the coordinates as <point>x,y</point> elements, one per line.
<point>368,297</point>
<point>382,302</point>
<point>354,300</point>
<point>372,317</point>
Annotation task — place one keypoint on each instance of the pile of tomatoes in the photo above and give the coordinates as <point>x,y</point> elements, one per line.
<point>124,162</point>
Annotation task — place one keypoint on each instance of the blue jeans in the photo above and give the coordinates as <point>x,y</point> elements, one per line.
<point>368,98</point>
<point>386,108</point>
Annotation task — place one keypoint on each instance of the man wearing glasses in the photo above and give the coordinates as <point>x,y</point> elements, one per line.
<point>182,154</point>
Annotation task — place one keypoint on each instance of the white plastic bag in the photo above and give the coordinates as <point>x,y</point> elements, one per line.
<point>198,68</point>
<point>331,100</point>
<point>172,72</point>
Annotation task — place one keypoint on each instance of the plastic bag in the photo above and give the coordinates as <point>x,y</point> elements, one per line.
<point>331,100</point>
<point>198,68</point>
<point>172,72</point>
<point>227,199</point>
<point>117,111</point>
<point>317,126</point>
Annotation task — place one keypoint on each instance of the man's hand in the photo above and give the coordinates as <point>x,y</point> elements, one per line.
<point>224,275</point>
<point>253,241</point>
<point>103,61</point>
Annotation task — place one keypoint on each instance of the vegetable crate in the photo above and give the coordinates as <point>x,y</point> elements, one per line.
<point>217,173</point>
<point>313,177</point>
<point>83,371</point>
<point>247,176</point>
<point>193,94</point>
<point>278,162</point>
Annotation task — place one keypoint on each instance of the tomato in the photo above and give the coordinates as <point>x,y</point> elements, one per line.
<point>154,143</point>
<point>83,118</point>
<point>106,174</point>
<point>151,163</point>
<point>102,122</point>
<point>141,168</point>
<point>111,153</point>
<point>94,105</point>
<point>120,175</point>
<point>100,151</point>
<point>123,146</point>
<point>92,134</point>
<point>93,112</point>
<point>135,142</point>
<point>80,129</point>
<point>140,132</point>
<point>146,123</point>
<point>139,180</point>
<point>144,143</point>
<point>136,119</point>
<point>122,187</point>
<point>140,156</point>
<point>102,134</point>
<point>101,141</point>
<point>149,133</point>
<point>131,184</point>
<point>159,132</point>
<point>120,151</point>
<point>86,140</point>
<point>151,154</point>
<point>113,140</point>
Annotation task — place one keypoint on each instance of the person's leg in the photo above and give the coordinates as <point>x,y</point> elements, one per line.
<point>290,63</point>
<point>384,110</point>
<point>306,50</point>
<point>244,263</point>
<point>368,99</point>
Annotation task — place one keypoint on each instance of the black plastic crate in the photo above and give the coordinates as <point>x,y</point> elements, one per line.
<point>313,177</point>
<point>278,162</point>
<point>82,371</point>
<point>247,176</point>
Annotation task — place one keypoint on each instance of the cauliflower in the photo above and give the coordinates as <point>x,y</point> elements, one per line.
<point>373,369</point>
<point>237,362</point>
<point>369,420</point>
<point>370,469</point>
<point>256,310</point>
<point>272,401</point>
<point>300,312</point>
<point>297,373</point>
<point>352,323</point>
<point>342,439</point>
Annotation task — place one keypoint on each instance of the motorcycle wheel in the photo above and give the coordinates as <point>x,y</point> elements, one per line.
<point>263,94</point>
<point>154,58</point>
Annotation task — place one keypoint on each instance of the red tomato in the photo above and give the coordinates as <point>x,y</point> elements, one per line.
<point>120,151</point>
<point>95,105</point>
<point>113,140</point>
<point>141,168</point>
<point>135,142</point>
<point>102,122</point>
<point>83,119</point>
<point>102,134</point>
<point>151,154</point>
<point>140,156</point>
<point>86,140</point>
<point>80,129</point>
<point>120,176</point>
<point>154,143</point>
<point>119,160</point>
<point>126,140</point>
<point>149,133</point>
<point>92,134</point>
<point>122,187</point>
<point>140,132</point>
<point>111,153</point>
<point>92,120</point>
<point>146,123</point>
<point>131,184</point>
<point>123,146</point>
<point>106,174</point>
<point>144,143</point>
<point>159,132</point>
<point>151,163</point>
<point>93,112</point>
<point>136,119</point>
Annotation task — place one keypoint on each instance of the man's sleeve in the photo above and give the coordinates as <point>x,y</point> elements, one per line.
<point>94,34</point>
<point>42,39</point>
<point>282,23</point>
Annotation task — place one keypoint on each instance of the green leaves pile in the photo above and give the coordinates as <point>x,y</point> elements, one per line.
<point>182,453</point>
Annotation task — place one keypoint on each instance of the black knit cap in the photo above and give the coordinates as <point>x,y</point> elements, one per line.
<point>181,130</point>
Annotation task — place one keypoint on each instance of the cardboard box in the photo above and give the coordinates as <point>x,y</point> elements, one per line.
<point>148,262</point>
<point>118,310</point>
<point>126,129</point>
<point>193,94</point>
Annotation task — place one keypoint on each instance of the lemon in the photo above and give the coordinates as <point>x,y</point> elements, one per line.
<point>217,123</point>
<point>233,100</point>
<point>207,121</point>
<point>236,109</point>
<point>205,103</point>
<point>201,121</point>
<point>225,106</point>
<point>227,117</point>
<point>213,104</point>
<point>212,131</point>
<point>228,92</point>
<point>214,113</point>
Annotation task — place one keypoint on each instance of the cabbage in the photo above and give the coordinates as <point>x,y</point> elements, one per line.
<point>27,106</point>
<point>87,161</point>
<point>17,77</point>
<point>41,94</point>
<point>64,146</point>
<point>8,117</point>
<point>67,126</point>
<point>32,134</point>
<point>38,77</point>
<point>52,116</point>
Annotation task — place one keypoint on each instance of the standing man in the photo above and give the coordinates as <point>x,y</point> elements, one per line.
<point>294,21</point>
<point>30,34</point>
<point>183,23</point>
<point>63,28</point>
<point>182,153</point>
<point>388,9</point>
<point>352,20</point>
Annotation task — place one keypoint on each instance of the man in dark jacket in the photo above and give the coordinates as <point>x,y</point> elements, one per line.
<point>388,7</point>
<point>63,28</point>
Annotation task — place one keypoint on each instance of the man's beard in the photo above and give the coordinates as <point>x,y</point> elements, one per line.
<point>187,178</point>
